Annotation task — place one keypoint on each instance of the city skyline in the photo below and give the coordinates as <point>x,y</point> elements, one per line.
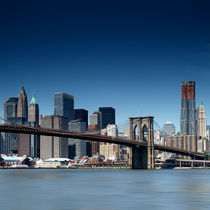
<point>177,124</point>
<point>132,56</point>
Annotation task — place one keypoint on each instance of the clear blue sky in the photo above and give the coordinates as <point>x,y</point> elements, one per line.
<point>131,55</point>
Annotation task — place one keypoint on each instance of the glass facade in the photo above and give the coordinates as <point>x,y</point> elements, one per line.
<point>82,115</point>
<point>107,116</point>
<point>10,108</point>
<point>76,147</point>
<point>64,105</point>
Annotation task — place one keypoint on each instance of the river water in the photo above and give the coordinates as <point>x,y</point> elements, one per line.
<point>61,189</point>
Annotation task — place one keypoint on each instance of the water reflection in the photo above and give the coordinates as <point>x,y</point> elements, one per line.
<point>104,189</point>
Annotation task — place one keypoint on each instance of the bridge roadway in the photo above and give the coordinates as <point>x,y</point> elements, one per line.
<point>93,137</point>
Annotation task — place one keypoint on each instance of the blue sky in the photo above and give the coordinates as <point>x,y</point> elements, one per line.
<point>131,55</point>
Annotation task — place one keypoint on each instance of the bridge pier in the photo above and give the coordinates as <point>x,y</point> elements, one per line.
<point>142,158</point>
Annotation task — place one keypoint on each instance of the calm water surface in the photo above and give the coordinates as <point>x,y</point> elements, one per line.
<point>104,189</point>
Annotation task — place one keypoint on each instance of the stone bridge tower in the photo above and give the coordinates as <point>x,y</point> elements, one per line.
<point>141,129</point>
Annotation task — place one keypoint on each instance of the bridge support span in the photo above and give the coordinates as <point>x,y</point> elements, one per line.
<point>142,157</point>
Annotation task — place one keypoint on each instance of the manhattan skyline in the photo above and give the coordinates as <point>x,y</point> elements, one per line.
<point>128,55</point>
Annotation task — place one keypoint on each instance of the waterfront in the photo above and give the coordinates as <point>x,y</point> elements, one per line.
<point>60,189</point>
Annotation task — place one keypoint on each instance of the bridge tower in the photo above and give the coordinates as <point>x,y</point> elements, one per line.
<point>142,157</point>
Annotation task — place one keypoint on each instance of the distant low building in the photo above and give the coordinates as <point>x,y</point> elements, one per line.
<point>168,129</point>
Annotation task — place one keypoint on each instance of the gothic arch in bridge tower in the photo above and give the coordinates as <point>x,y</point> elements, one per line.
<point>136,133</point>
<point>142,157</point>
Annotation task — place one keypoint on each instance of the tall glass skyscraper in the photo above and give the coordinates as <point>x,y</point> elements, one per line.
<point>107,116</point>
<point>10,108</point>
<point>64,105</point>
<point>76,147</point>
<point>188,110</point>
<point>82,115</point>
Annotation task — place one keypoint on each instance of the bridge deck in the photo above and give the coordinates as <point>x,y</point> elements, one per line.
<point>92,137</point>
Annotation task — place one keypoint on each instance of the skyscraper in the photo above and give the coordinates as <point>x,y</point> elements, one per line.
<point>10,140</point>
<point>64,105</point>
<point>77,148</point>
<point>95,119</point>
<point>201,118</point>
<point>82,115</point>
<point>107,116</point>
<point>51,146</point>
<point>10,108</point>
<point>110,151</point>
<point>34,111</point>
<point>188,110</point>
<point>168,129</point>
<point>22,107</point>
<point>30,144</point>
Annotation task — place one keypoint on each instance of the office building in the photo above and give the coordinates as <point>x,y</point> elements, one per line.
<point>168,129</point>
<point>188,110</point>
<point>30,144</point>
<point>64,105</point>
<point>82,115</point>
<point>76,147</point>
<point>22,106</point>
<point>51,146</point>
<point>10,140</point>
<point>34,111</point>
<point>10,108</point>
<point>95,119</point>
<point>107,116</point>
<point>110,151</point>
<point>208,132</point>
<point>94,144</point>
<point>201,122</point>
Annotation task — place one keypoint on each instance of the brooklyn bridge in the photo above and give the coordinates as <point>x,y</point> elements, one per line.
<point>142,148</point>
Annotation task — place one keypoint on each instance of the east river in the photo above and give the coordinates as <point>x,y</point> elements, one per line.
<point>62,189</point>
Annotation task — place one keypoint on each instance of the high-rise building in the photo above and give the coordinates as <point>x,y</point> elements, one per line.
<point>34,111</point>
<point>107,116</point>
<point>51,146</point>
<point>208,132</point>
<point>22,106</point>
<point>30,144</point>
<point>10,140</point>
<point>168,129</point>
<point>95,119</point>
<point>76,147</point>
<point>64,105</point>
<point>201,121</point>
<point>10,108</point>
<point>110,151</point>
<point>94,144</point>
<point>82,115</point>
<point>188,110</point>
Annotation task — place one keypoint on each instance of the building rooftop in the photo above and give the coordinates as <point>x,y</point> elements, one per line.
<point>33,100</point>
<point>168,123</point>
<point>12,100</point>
